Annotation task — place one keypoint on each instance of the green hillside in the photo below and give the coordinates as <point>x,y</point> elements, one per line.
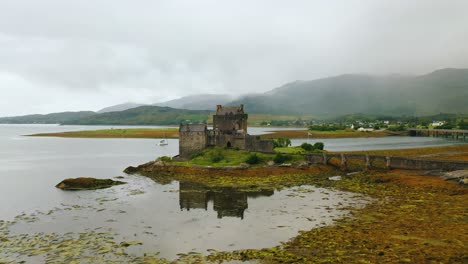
<point>54,118</point>
<point>440,91</point>
<point>144,115</point>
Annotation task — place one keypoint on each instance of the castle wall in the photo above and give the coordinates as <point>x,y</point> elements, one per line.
<point>233,141</point>
<point>239,141</point>
<point>254,143</point>
<point>191,142</point>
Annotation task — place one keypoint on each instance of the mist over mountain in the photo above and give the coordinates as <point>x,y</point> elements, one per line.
<point>198,102</point>
<point>443,90</point>
<point>119,107</point>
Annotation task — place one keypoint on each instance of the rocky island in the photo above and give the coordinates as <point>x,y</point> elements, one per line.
<point>86,183</point>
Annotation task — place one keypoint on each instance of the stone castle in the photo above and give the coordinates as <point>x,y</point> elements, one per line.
<point>229,130</point>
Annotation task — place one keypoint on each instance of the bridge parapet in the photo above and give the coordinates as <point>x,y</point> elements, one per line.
<point>456,134</point>
<point>388,162</point>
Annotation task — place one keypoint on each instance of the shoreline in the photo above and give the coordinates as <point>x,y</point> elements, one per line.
<point>457,152</point>
<point>173,133</point>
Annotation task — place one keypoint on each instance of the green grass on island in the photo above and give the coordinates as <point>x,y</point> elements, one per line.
<point>295,150</point>
<point>221,157</point>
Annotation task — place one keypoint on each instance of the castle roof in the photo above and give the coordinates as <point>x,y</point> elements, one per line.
<point>193,128</point>
<point>222,110</point>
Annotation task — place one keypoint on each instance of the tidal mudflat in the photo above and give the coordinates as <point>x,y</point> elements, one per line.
<point>145,218</point>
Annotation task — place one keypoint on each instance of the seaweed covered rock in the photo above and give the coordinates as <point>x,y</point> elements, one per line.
<point>143,167</point>
<point>131,170</point>
<point>85,183</point>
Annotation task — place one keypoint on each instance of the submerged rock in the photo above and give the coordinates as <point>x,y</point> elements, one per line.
<point>131,243</point>
<point>85,183</point>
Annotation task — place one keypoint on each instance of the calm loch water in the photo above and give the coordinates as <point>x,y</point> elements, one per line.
<point>163,218</point>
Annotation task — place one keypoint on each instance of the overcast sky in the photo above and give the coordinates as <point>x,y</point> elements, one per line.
<point>58,55</point>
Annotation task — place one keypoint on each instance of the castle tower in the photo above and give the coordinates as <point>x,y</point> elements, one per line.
<point>230,120</point>
<point>192,138</point>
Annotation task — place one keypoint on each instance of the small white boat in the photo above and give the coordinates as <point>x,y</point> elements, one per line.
<point>163,142</point>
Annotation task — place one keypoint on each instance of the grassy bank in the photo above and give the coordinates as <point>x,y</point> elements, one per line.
<point>117,133</point>
<point>456,152</point>
<point>324,134</point>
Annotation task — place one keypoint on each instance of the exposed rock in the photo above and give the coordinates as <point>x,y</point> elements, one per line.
<point>244,165</point>
<point>159,163</point>
<point>434,173</point>
<point>463,181</point>
<point>84,183</point>
<point>301,164</point>
<point>131,170</point>
<point>335,178</point>
<point>460,176</point>
<point>142,167</point>
<point>130,243</point>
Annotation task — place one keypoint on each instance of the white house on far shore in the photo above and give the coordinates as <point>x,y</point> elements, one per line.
<point>361,129</point>
<point>437,123</point>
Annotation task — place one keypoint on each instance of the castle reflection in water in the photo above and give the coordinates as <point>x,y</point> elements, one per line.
<point>227,201</point>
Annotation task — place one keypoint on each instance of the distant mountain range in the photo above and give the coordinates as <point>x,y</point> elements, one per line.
<point>54,118</point>
<point>440,91</point>
<point>144,115</point>
<point>191,102</point>
<point>443,90</point>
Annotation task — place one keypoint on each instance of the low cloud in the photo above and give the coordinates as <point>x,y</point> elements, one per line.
<point>90,54</point>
